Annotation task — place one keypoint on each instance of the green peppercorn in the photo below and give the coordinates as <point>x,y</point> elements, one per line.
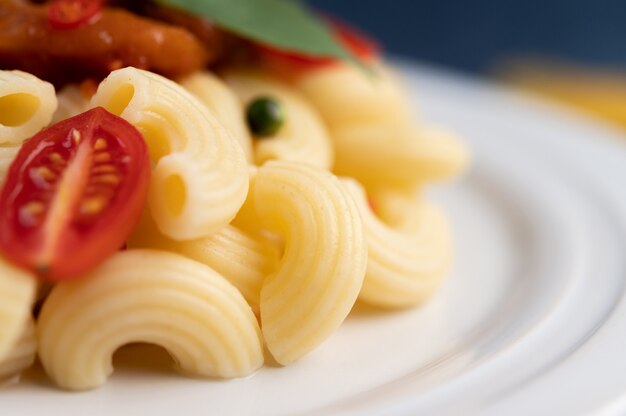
<point>265,116</point>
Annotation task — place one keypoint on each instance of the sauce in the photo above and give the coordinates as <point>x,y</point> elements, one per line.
<point>118,39</point>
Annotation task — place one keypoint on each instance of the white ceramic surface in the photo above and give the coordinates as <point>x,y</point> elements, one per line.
<point>532,320</point>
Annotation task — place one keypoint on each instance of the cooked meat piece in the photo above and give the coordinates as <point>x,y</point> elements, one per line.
<point>118,38</point>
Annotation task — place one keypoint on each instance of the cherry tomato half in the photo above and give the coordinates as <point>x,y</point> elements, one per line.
<point>73,194</point>
<point>361,46</point>
<point>70,14</point>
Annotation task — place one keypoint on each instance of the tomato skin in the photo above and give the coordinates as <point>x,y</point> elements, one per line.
<point>73,194</point>
<point>70,14</point>
<point>282,61</point>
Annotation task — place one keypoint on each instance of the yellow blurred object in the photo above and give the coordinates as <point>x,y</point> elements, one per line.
<point>601,92</point>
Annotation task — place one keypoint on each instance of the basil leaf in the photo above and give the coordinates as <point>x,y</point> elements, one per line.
<point>284,24</point>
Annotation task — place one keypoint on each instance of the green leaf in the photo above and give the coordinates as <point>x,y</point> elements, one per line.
<point>285,24</point>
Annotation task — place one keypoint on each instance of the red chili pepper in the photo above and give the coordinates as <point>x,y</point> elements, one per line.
<point>70,14</point>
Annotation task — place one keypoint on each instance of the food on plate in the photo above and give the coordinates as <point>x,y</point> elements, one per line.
<point>321,270</point>
<point>17,294</point>
<point>22,354</point>
<point>200,176</point>
<point>172,301</point>
<point>180,174</point>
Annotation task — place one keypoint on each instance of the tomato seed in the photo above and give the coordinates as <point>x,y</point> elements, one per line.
<point>46,174</point>
<point>76,136</point>
<point>104,169</point>
<point>102,157</point>
<point>100,144</point>
<point>56,159</point>
<point>92,206</point>
<point>109,179</point>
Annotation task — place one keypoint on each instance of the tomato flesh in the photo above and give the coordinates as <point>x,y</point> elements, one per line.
<point>73,194</point>
<point>361,46</point>
<point>70,14</point>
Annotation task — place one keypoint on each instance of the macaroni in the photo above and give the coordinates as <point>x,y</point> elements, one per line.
<point>148,296</point>
<point>17,294</point>
<point>323,265</point>
<point>26,106</point>
<point>200,176</point>
<point>404,266</point>
<point>22,354</point>
<point>225,105</point>
<point>243,258</point>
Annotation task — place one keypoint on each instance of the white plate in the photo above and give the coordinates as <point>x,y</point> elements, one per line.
<point>531,321</point>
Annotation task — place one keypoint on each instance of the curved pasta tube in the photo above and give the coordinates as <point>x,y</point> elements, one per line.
<point>322,269</point>
<point>404,266</point>
<point>149,296</point>
<point>302,137</point>
<point>242,258</point>
<point>394,207</point>
<point>17,294</point>
<point>200,177</point>
<point>26,106</point>
<point>22,354</point>
<point>71,102</point>
<point>342,95</point>
<point>225,105</point>
<point>397,156</point>
<point>375,137</point>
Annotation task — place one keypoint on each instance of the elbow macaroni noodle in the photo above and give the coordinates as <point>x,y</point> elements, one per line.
<point>406,156</point>
<point>200,176</point>
<point>17,294</point>
<point>149,296</point>
<point>22,354</point>
<point>241,257</point>
<point>404,267</point>
<point>376,141</point>
<point>322,269</point>
<point>26,106</point>
<point>216,95</point>
<point>245,241</point>
<point>342,95</point>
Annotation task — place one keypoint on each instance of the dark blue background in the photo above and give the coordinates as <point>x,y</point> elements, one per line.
<point>475,34</point>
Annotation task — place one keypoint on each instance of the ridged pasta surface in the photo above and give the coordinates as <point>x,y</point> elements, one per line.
<point>17,294</point>
<point>147,296</point>
<point>397,156</point>
<point>243,258</point>
<point>200,177</point>
<point>406,265</point>
<point>323,265</point>
<point>225,105</point>
<point>26,106</point>
<point>22,355</point>
<point>303,136</point>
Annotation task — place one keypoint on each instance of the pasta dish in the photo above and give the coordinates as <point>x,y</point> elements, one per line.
<point>169,178</point>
